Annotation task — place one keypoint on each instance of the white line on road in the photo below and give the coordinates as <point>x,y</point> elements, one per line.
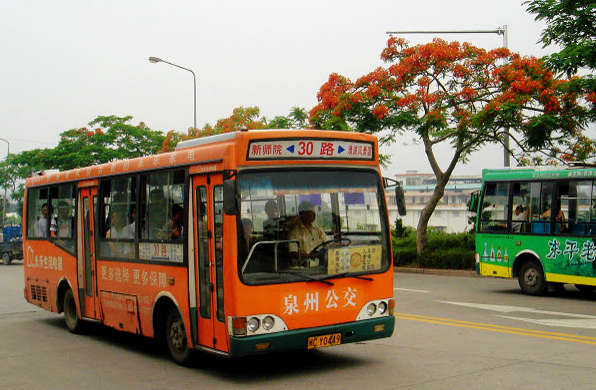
<point>572,320</point>
<point>584,323</point>
<point>511,309</point>
<point>409,289</point>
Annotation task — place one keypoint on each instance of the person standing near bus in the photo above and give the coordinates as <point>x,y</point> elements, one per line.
<point>306,233</point>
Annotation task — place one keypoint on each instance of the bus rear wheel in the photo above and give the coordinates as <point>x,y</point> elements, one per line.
<point>71,318</point>
<point>176,338</point>
<point>531,278</point>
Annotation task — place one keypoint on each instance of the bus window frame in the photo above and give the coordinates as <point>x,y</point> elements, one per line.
<point>140,177</point>
<point>553,200</point>
<point>382,204</point>
<point>48,200</point>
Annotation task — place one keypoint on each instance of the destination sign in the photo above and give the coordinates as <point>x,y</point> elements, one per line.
<point>310,149</point>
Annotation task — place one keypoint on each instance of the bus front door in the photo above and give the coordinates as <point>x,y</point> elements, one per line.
<point>208,256</point>
<point>86,253</point>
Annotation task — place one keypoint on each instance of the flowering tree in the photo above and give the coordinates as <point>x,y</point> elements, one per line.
<point>249,117</point>
<point>465,96</point>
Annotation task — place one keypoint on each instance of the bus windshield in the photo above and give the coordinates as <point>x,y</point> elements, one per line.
<point>310,224</point>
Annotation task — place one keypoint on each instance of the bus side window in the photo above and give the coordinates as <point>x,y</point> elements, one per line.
<point>495,207</point>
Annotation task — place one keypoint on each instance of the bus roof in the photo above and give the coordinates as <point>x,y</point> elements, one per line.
<point>539,173</point>
<point>252,146</point>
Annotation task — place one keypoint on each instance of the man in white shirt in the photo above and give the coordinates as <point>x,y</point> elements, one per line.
<point>306,233</point>
<point>518,219</point>
<point>41,226</point>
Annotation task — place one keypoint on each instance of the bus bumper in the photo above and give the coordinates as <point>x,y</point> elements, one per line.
<point>351,332</point>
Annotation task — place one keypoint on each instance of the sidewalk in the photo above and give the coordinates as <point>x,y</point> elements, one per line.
<point>431,271</point>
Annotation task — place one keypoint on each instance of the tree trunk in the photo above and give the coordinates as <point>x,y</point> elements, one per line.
<point>442,180</point>
<point>427,212</point>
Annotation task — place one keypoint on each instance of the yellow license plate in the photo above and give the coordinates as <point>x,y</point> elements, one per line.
<point>324,341</point>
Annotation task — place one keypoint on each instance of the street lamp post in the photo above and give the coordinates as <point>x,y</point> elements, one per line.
<point>4,199</point>
<point>499,31</point>
<point>155,60</point>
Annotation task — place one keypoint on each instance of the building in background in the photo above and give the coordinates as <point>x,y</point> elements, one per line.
<point>451,214</point>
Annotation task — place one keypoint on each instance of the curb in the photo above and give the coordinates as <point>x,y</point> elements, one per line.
<point>432,271</point>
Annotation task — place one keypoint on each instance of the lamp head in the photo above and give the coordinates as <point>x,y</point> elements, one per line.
<point>155,60</point>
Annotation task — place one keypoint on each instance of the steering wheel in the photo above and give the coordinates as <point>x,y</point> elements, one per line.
<point>343,241</point>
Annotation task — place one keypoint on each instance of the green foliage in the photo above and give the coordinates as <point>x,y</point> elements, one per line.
<point>444,250</point>
<point>571,24</point>
<point>296,119</point>
<point>111,138</point>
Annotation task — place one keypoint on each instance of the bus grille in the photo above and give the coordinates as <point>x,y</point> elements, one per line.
<point>39,293</point>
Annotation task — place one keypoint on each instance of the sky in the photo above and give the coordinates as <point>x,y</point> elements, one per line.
<point>63,63</point>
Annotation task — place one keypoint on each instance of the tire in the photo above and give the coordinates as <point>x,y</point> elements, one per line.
<point>176,339</point>
<point>6,258</point>
<point>71,317</point>
<point>531,278</point>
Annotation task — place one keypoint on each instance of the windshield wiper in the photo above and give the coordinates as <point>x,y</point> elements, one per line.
<point>341,275</point>
<point>306,277</point>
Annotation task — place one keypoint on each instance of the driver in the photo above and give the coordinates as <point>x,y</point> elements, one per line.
<point>306,233</point>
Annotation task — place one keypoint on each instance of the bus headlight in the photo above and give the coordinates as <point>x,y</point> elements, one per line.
<point>256,324</point>
<point>268,323</point>
<point>375,309</point>
<point>253,324</point>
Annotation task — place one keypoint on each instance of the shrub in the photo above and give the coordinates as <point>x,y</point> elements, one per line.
<point>444,250</point>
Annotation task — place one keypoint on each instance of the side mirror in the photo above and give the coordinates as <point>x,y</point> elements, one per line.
<point>230,201</point>
<point>400,199</point>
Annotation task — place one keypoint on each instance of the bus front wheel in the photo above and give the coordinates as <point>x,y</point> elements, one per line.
<point>531,278</point>
<point>71,318</point>
<point>6,258</point>
<point>176,338</point>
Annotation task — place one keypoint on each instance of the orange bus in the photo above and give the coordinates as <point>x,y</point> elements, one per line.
<point>204,247</point>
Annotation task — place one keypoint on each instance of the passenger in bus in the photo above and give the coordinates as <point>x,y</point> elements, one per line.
<point>247,227</point>
<point>306,233</point>
<point>172,230</point>
<point>120,229</point>
<point>518,219</point>
<point>64,222</point>
<point>277,227</point>
<point>560,217</point>
<point>271,226</point>
<point>154,220</point>
<point>41,226</point>
<point>132,218</point>
<point>118,226</point>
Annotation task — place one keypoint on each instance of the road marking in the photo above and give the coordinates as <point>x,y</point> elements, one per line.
<point>583,323</point>
<point>409,289</point>
<point>512,309</point>
<point>499,328</point>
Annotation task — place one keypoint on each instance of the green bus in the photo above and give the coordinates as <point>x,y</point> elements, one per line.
<point>537,224</point>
